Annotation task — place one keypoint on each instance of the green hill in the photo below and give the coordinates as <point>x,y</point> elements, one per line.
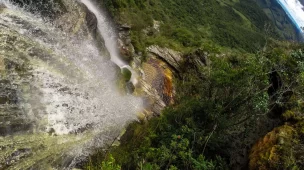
<point>279,17</point>
<point>239,79</point>
<point>192,24</point>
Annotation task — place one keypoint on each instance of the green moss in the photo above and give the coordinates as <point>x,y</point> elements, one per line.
<point>126,73</point>
<point>288,115</point>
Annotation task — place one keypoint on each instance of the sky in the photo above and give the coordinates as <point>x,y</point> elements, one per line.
<point>295,9</point>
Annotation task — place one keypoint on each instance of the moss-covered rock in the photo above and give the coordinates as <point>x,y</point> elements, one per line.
<point>126,73</point>
<point>282,148</point>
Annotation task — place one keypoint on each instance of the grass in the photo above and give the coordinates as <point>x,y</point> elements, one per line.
<point>187,25</point>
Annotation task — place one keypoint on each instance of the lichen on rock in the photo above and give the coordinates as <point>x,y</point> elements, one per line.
<point>282,148</point>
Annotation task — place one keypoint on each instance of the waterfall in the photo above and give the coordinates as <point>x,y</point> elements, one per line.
<point>109,36</point>
<point>106,31</point>
<point>65,97</point>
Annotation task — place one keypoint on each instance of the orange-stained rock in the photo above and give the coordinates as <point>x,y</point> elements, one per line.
<point>279,149</point>
<point>157,82</point>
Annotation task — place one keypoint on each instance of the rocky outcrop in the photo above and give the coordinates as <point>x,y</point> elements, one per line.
<point>197,59</point>
<point>18,52</point>
<point>157,82</point>
<point>282,148</point>
<point>80,22</point>
<point>77,20</point>
<point>91,21</point>
<point>171,57</point>
<point>157,72</point>
<point>125,45</point>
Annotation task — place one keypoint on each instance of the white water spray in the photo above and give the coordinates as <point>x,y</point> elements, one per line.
<point>110,37</point>
<point>71,91</point>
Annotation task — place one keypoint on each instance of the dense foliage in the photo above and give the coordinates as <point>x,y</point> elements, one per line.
<point>236,83</point>
<point>219,105</point>
<point>192,24</point>
<point>284,25</point>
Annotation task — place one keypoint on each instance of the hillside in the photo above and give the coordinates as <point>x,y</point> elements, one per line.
<point>284,25</point>
<point>234,82</point>
<point>191,24</point>
<point>151,85</point>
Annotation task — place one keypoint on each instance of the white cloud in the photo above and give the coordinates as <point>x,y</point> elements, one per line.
<point>295,10</point>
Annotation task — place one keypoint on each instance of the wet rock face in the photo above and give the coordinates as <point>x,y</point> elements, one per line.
<point>157,82</point>
<point>14,77</point>
<point>77,20</point>
<point>70,16</point>
<point>51,81</point>
<point>125,44</point>
<point>15,157</point>
<point>46,8</point>
<point>157,72</point>
<point>91,21</point>
<point>18,51</point>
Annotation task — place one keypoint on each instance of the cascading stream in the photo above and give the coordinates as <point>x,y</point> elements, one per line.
<point>59,98</point>
<point>109,36</point>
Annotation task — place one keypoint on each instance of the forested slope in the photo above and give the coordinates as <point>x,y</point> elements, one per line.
<point>192,24</point>
<point>239,81</point>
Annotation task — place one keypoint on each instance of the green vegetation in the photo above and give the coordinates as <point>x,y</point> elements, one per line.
<point>126,74</point>
<point>284,25</point>
<point>186,25</point>
<point>108,164</point>
<point>218,106</point>
<point>234,82</point>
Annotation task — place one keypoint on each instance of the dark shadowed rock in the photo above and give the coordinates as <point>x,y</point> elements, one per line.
<point>91,21</point>
<point>130,87</point>
<point>4,99</point>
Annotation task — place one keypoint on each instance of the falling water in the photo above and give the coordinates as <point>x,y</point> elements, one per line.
<point>65,91</point>
<point>110,37</point>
